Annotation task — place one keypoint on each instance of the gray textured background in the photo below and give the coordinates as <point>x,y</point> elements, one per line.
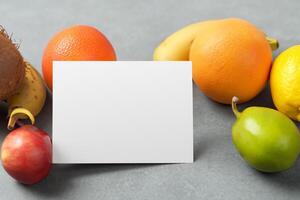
<point>135,28</point>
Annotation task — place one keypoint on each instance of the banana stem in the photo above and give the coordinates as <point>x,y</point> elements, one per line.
<point>19,113</point>
<point>274,44</point>
<point>234,107</point>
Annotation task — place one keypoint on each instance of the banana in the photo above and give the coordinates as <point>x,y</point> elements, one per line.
<point>176,47</point>
<point>29,99</point>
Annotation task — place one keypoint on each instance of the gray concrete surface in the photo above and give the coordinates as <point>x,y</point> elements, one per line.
<point>135,27</point>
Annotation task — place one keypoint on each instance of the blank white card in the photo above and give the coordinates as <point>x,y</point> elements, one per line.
<point>122,112</point>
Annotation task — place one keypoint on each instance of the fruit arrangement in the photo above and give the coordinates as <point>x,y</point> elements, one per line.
<point>232,62</point>
<point>26,152</point>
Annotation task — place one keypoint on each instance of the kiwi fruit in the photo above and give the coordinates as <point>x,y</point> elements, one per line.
<point>12,66</point>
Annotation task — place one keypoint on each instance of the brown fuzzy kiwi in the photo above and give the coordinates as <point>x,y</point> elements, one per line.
<point>12,66</point>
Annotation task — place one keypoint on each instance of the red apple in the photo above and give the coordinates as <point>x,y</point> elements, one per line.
<point>26,154</point>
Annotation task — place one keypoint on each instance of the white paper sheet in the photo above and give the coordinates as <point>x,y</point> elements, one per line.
<point>122,112</point>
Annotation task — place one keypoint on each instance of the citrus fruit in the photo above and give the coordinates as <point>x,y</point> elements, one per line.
<point>231,57</point>
<point>77,43</point>
<point>285,82</point>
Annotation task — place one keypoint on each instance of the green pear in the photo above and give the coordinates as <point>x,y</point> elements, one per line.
<point>266,139</point>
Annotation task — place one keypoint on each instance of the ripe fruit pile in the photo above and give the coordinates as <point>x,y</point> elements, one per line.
<point>232,59</point>
<point>26,152</point>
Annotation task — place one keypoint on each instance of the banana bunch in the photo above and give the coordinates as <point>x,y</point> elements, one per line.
<point>29,100</point>
<point>176,47</point>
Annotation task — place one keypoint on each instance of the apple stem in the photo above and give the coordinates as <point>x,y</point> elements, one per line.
<point>234,107</point>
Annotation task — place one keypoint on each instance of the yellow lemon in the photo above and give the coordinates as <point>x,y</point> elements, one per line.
<point>285,82</point>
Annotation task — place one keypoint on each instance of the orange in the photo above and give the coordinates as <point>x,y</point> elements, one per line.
<point>231,57</point>
<point>77,43</point>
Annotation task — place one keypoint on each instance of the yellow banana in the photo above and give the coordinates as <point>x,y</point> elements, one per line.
<point>176,47</point>
<point>30,98</point>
